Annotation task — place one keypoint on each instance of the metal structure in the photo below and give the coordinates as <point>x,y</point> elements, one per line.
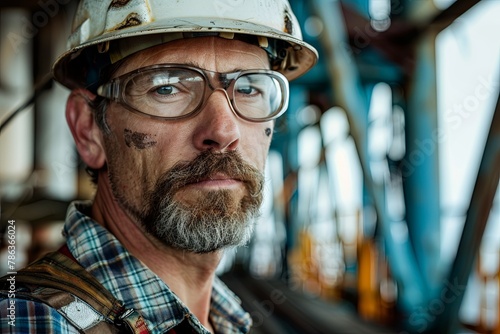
<point>354,57</point>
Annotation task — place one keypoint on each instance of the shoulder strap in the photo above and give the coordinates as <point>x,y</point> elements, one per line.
<point>62,283</point>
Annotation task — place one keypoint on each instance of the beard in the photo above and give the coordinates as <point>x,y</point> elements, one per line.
<point>215,220</point>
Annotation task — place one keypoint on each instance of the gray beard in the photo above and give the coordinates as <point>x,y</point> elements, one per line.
<point>215,222</point>
<point>202,229</point>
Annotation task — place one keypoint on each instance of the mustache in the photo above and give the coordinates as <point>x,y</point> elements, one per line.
<point>206,165</point>
<point>216,220</point>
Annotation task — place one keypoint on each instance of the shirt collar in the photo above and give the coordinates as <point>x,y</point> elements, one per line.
<point>129,280</point>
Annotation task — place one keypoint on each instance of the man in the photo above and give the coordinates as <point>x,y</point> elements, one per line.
<point>172,109</point>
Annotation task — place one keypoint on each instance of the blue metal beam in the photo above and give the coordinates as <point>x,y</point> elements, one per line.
<point>420,167</point>
<point>349,93</point>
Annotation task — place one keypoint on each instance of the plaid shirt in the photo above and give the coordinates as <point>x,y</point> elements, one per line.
<point>128,280</point>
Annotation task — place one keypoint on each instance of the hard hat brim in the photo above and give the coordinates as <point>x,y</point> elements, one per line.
<point>306,54</point>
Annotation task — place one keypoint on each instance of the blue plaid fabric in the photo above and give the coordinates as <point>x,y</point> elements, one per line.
<point>97,250</point>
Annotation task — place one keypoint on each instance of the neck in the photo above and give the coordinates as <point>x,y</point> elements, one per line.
<point>188,275</point>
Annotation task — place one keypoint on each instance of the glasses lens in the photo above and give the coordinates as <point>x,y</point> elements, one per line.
<point>165,92</point>
<point>259,95</point>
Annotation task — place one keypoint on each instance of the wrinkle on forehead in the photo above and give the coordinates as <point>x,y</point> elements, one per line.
<point>210,53</point>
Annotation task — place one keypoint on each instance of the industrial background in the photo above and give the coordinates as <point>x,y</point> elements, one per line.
<point>382,211</point>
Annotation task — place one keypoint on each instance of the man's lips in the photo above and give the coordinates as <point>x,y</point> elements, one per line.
<point>217,181</point>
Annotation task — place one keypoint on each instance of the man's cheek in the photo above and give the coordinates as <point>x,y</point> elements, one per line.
<point>139,140</point>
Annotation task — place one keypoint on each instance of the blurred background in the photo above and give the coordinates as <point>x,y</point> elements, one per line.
<point>382,208</point>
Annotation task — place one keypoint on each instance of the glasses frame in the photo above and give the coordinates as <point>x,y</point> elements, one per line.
<point>114,90</point>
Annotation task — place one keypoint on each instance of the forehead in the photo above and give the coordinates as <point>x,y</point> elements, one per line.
<point>210,53</point>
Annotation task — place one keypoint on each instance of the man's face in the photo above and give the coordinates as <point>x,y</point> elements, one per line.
<point>194,184</point>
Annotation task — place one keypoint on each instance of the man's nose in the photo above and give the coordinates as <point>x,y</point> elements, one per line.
<point>218,125</point>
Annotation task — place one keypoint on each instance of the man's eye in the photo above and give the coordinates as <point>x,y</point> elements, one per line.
<point>166,90</point>
<point>247,90</point>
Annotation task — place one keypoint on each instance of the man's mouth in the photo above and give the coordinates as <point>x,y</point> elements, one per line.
<point>217,181</point>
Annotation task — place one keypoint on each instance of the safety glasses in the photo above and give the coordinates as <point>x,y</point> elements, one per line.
<point>173,91</point>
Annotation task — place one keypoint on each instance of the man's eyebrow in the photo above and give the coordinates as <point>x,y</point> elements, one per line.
<point>192,63</point>
<point>195,64</point>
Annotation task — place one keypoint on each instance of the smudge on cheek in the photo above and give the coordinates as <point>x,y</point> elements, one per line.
<point>268,131</point>
<point>138,140</point>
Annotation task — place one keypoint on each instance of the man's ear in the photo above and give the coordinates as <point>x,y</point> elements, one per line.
<point>86,132</point>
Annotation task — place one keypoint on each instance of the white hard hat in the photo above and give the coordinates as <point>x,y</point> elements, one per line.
<point>105,31</point>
